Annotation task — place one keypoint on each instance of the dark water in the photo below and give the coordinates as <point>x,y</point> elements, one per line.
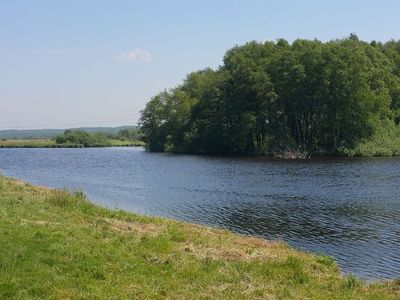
<point>347,208</point>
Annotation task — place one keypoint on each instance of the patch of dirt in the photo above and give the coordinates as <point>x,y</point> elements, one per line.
<point>255,242</point>
<point>239,253</point>
<point>38,222</point>
<point>20,183</point>
<point>139,228</point>
<point>395,285</point>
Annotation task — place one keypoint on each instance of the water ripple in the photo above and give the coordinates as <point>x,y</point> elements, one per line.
<point>347,208</point>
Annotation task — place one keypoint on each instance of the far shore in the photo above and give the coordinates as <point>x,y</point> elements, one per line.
<point>51,143</point>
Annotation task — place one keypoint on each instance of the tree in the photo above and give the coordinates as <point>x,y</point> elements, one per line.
<point>266,98</point>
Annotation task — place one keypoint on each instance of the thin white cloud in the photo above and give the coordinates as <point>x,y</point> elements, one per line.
<point>136,55</point>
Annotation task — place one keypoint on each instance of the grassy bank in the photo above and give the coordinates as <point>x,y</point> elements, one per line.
<point>58,245</point>
<point>49,143</point>
<point>27,143</point>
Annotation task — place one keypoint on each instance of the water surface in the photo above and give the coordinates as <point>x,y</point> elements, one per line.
<point>347,208</point>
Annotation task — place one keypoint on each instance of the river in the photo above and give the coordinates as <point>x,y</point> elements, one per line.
<point>348,208</point>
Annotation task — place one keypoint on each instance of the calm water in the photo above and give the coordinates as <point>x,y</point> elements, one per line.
<point>347,208</point>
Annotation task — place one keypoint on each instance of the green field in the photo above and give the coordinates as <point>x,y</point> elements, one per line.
<point>49,143</point>
<point>58,245</point>
<point>28,143</point>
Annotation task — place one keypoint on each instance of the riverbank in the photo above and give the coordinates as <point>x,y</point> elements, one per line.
<point>49,143</point>
<point>59,245</point>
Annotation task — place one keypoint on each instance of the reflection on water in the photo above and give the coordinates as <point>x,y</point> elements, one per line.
<point>347,208</point>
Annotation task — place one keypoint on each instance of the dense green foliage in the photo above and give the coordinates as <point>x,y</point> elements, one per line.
<point>127,134</point>
<point>57,245</point>
<point>80,138</point>
<point>83,138</point>
<point>336,98</point>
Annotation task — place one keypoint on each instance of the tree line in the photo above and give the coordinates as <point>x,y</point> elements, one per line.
<point>340,97</point>
<point>81,138</point>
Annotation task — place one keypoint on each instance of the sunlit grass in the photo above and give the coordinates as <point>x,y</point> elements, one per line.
<point>27,143</point>
<point>55,244</point>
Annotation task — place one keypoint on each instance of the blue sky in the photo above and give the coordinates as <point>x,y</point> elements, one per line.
<point>96,63</point>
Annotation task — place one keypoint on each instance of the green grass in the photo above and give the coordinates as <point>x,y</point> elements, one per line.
<point>48,143</point>
<point>55,244</point>
<point>27,143</point>
<point>384,142</point>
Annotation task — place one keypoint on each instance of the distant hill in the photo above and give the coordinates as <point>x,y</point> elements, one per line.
<point>50,133</point>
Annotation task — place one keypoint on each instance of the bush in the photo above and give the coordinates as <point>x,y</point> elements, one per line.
<point>82,138</point>
<point>384,142</point>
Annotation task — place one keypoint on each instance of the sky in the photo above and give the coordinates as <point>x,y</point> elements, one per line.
<point>74,63</point>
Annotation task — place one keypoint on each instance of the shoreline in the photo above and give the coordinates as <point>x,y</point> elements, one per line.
<point>49,143</point>
<point>233,156</point>
<point>172,249</point>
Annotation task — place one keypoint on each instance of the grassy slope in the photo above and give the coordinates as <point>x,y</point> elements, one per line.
<point>58,245</point>
<point>48,143</point>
